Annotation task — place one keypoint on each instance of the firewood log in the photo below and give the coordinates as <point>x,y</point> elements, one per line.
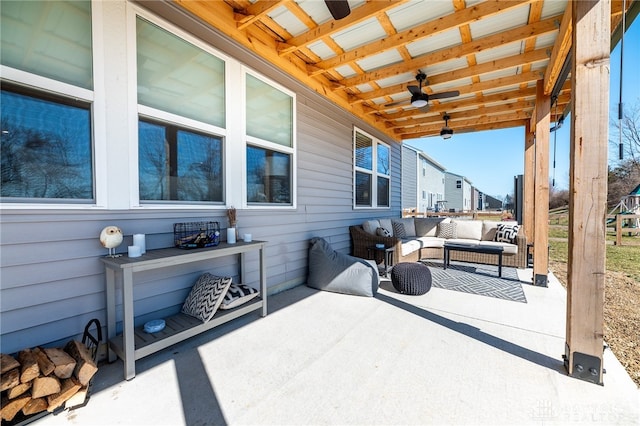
<point>85,366</point>
<point>45,386</point>
<point>46,366</point>
<point>64,363</point>
<point>10,407</point>
<point>9,379</point>
<point>78,398</point>
<point>18,390</point>
<point>7,362</point>
<point>35,406</point>
<point>29,369</point>
<point>69,387</point>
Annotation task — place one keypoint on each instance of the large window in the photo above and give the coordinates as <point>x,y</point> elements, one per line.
<point>181,97</point>
<point>270,144</point>
<point>46,147</point>
<point>178,164</point>
<point>372,165</point>
<point>46,139</point>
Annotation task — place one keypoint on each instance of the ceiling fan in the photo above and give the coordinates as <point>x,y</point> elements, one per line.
<point>419,99</point>
<point>446,131</point>
<point>338,8</point>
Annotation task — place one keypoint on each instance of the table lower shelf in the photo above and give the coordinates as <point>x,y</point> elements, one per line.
<point>178,328</point>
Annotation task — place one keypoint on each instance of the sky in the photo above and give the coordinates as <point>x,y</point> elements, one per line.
<point>491,159</point>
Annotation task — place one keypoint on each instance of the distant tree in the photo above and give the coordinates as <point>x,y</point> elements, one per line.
<point>624,174</point>
<point>630,137</point>
<point>558,197</point>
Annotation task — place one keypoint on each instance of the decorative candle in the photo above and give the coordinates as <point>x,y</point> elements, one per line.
<point>139,240</point>
<point>134,251</point>
<point>231,235</point>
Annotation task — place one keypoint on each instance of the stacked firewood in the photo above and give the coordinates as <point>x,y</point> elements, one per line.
<point>41,379</point>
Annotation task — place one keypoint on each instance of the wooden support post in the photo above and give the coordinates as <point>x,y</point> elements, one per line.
<point>529,169</point>
<point>541,190</point>
<point>588,189</point>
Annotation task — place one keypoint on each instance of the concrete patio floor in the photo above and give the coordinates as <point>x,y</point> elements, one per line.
<point>322,358</point>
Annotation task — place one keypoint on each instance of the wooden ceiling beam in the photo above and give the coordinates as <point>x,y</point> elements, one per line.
<point>443,55</point>
<point>559,53</point>
<point>465,103</point>
<point>437,26</point>
<point>255,12</point>
<point>332,26</point>
<point>470,122</point>
<point>466,129</point>
<point>468,72</point>
<point>466,114</point>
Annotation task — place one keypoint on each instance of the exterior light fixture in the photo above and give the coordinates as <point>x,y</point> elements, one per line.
<point>446,131</point>
<point>419,101</point>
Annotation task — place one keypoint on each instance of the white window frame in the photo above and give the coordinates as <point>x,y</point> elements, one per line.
<point>170,118</point>
<point>262,143</point>
<point>373,172</point>
<point>94,97</point>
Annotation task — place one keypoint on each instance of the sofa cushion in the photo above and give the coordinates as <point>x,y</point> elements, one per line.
<point>447,230</point>
<point>469,229</point>
<point>409,226</point>
<point>383,232</point>
<point>431,242</point>
<point>398,230</point>
<point>507,233</point>
<point>386,224</point>
<point>508,249</point>
<point>409,246</point>
<point>489,228</point>
<point>371,226</point>
<point>427,226</point>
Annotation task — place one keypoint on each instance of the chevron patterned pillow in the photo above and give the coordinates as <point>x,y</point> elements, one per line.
<point>206,296</point>
<point>507,233</point>
<point>237,295</point>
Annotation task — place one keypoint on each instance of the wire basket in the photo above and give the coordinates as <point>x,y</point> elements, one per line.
<point>190,235</point>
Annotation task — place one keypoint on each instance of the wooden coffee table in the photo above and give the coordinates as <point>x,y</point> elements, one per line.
<point>475,248</point>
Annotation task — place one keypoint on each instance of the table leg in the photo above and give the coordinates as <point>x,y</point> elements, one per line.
<point>110,279</point>
<point>263,280</point>
<point>128,325</point>
<point>446,258</point>
<point>500,264</point>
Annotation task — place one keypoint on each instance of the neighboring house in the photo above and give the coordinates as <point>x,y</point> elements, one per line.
<point>492,203</point>
<point>141,121</point>
<point>482,203</point>
<point>422,180</point>
<point>457,192</point>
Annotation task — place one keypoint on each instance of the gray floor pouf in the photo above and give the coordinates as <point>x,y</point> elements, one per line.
<point>411,278</point>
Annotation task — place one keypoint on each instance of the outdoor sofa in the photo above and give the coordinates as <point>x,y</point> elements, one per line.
<point>413,239</point>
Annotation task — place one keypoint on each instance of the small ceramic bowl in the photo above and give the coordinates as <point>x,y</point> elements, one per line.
<point>154,326</point>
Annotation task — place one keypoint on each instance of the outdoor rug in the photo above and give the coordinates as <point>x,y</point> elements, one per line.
<point>478,279</point>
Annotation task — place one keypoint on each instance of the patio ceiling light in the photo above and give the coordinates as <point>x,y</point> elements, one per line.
<point>419,101</point>
<point>446,131</point>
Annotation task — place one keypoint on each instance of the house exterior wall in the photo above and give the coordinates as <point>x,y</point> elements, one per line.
<point>452,193</point>
<point>410,187</point>
<point>422,180</point>
<point>52,277</point>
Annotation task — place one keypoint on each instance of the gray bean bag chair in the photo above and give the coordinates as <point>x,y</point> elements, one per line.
<point>340,273</point>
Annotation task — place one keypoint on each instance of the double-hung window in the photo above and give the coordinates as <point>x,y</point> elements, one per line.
<point>46,96</point>
<point>270,144</point>
<point>371,171</point>
<point>181,105</point>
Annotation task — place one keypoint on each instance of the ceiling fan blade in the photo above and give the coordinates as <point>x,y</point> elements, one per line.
<point>442,95</point>
<point>338,8</point>
<point>415,90</point>
<point>396,103</point>
<point>424,108</point>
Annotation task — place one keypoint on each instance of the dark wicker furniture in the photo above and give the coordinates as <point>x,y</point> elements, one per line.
<point>411,278</point>
<point>360,240</point>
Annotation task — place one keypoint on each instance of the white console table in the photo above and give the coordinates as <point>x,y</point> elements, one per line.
<point>134,343</point>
